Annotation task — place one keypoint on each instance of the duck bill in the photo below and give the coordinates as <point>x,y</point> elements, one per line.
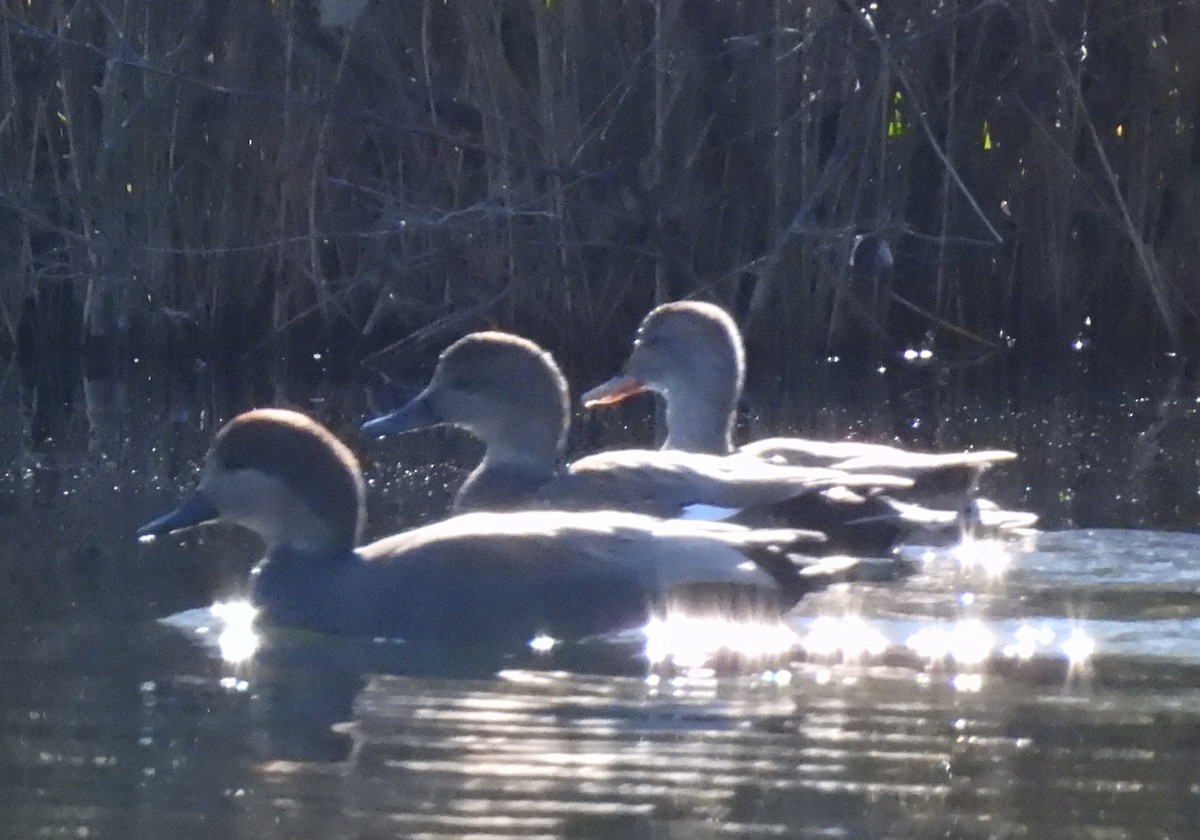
<point>613,391</point>
<point>195,511</point>
<point>417,414</point>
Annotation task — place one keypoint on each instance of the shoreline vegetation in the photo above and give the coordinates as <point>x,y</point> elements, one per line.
<point>381,178</point>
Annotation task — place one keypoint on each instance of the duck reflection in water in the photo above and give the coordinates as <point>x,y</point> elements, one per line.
<point>493,580</point>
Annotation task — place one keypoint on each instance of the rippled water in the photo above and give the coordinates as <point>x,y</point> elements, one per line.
<point>1049,687</point>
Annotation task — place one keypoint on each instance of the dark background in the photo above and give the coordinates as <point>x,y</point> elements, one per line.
<point>361,177</point>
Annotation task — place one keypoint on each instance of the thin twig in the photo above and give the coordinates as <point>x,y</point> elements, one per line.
<point>867,24</point>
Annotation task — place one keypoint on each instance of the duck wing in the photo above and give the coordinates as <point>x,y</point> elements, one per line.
<point>569,574</point>
<point>668,482</point>
<point>937,476</point>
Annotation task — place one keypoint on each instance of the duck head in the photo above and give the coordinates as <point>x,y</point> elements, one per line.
<point>283,476</point>
<point>691,353</point>
<point>503,389</point>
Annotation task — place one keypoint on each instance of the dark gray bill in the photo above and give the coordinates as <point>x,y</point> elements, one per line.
<point>195,511</point>
<point>417,414</point>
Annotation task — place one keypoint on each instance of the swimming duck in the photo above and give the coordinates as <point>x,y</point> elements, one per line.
<point>691,353</point>
<point>509,392</point>
<point>496,578</point>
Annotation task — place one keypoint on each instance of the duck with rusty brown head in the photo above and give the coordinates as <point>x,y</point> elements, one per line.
<point>499,578</point>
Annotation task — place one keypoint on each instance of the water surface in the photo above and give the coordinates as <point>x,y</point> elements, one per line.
<point>1049,687</point>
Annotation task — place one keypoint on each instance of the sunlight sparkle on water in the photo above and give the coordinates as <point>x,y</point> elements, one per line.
<point>967,642</point>
<point>541,643</point>
<point>967,683</point>
<point>1078,647</point>
<point>238,641</point>
<point>692,641</point>
<point>971,642</point>
<point>990,556</point>
<point>848,636</point>
<point>1028,639</point>
<point>234,684</point>
<point>930,643</point>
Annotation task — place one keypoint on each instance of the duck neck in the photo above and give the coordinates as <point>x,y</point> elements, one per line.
<point>307,535</point>
<point>509,476</point>
<point>701,419</point>
<point>293,586</point>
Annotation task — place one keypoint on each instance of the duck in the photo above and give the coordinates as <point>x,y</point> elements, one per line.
<point>493,578</point>
<point>510,393</point>
<point>691,353</point>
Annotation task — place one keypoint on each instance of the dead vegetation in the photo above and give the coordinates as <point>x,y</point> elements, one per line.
<point>381,175</point>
